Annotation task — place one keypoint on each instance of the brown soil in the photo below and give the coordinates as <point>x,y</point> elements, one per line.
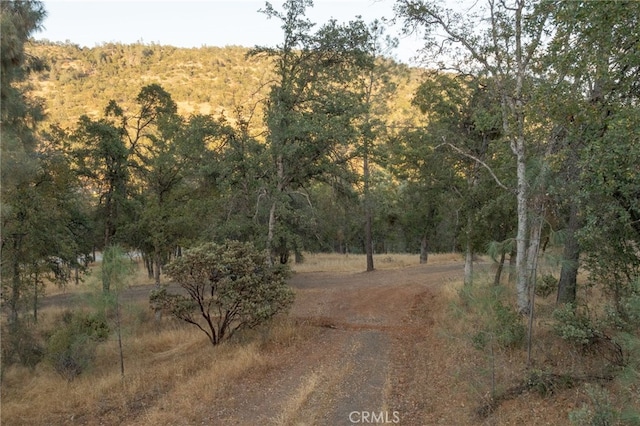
<point>374,350</point>
<point>366,361</point>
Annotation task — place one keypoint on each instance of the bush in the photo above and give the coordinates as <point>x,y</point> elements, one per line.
<point>574,326</point>
<point>509,329</point>
<point>496,321</point>
<point>71,348</point>
<point>229,286</point>
<point>20,345</point>
<point>599,412</point>
<point>546,285</point>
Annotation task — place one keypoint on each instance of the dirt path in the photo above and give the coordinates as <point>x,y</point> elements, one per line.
<point>367,359</point>
<point>355,368</point>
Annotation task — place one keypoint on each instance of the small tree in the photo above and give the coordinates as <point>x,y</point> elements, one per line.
<point>229,287</point>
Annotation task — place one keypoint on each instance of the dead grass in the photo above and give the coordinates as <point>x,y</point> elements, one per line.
<point>91,281</point>
<point>335,262</point>
<point>174,376</point>
<point>167,371</point>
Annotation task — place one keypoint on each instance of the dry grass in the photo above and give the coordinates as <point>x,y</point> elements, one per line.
<point>174,376</point>
<point>335,262</point>
<point>167,370</point>
<point>91,281</point>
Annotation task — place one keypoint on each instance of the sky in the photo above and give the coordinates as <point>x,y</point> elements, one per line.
<point>198,23</point>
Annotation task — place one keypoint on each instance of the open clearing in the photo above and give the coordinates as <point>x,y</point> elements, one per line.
<point>370,347</point>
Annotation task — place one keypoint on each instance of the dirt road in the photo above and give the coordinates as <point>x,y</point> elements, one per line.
<point>367,359</point>
<point>360,366</point>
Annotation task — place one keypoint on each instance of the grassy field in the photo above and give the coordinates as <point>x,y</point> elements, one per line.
<point>172,373</point>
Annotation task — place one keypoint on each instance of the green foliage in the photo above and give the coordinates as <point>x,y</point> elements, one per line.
<point>496,321</point>
<point>575,326</point>
<point>230,287</point>
<point>21,345</point>
<point>508,328</point>
<point>546,384</point>
<point>116,267</point>
<point>599,411</point>
<point>546,285</point>
<point>71,348</point>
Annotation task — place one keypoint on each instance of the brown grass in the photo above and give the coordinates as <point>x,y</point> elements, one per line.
<point>164,372</point>
<point>335,262</point>
<point>170,368</point>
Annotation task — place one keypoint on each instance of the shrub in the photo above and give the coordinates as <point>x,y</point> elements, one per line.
<point>574,326</point>
<point>20,345</point>
<point>599,412</point>
<point>229,287</point>
<point>71,348</point>
<point>546,285</point>
<point>509,329</point>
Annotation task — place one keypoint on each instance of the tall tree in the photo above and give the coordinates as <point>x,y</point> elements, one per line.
<point>462,109</point>
<point>596,52</point>
<point>504,51</point>
<point>377,88</point>
<point>312,104</point>
<point>41,213</point>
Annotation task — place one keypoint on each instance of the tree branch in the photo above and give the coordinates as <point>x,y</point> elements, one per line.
<point>477,160</point>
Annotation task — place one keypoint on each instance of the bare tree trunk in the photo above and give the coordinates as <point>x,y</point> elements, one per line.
<point>468,255</point>
<point>567,284</point>
<point>468,266</point>
<point>368,235</point>
<point>498,276</point>
<point>534,243</point>
<point>522,288</point>
<point>512,266</point>
<point>424,249</point>
<point>368,226</point>
<point>157,268</point>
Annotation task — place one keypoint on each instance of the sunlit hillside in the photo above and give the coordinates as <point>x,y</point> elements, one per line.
<point>206,80</point>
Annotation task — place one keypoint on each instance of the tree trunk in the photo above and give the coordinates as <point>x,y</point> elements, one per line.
<point>534,244</point>
<point>424,249</point>
<point>280,187</point>
<point>14,300</point>
<point>468,254</point>
<point>369,241</point>
<point>368,225</point>
<point>512,266</point>
<point>35,295</point>
<point>270,233</point>
<point>156,271</point>
<point>496,279</point>
<point>569,273</point>
<point>522,287</point>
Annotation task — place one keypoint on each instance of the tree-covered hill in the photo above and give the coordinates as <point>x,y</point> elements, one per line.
<point>205,80</point>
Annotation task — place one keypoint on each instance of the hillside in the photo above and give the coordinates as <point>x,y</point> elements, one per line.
<point>206,80</point>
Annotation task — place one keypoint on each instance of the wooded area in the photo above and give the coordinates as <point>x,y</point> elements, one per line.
<point>520,138</point>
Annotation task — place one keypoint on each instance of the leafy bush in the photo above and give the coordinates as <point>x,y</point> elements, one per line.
<point>574,326</point>
<point>20,345</point>
<point>599,412</point>
<point>546,285</point>
<point>230,287</point>
<point>71,348</point>
<point>509,329</point>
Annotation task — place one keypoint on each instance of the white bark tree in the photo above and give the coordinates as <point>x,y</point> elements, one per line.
<point>499,41</point>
